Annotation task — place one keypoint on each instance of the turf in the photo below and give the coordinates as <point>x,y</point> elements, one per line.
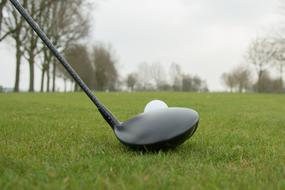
<point>59,141</point>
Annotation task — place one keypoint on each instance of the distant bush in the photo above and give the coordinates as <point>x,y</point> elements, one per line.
<point>1,89</point>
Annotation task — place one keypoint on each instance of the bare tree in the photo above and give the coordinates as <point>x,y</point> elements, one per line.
<point>229,81</point>
<point>64,21</point>
<point>242,77</point>
<point>144,75</point>
<point>32,51</point>
<point>157,74</point>
<point>238,78</point>
<point>13,26</point>
<point>279,56</point>
<point>260,54</point>
<point>25,41</point>
<point>132,79</point>
<point>175,76</point>
<point>33,47</point>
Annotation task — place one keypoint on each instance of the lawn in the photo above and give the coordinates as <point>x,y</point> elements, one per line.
<point>59,141</point>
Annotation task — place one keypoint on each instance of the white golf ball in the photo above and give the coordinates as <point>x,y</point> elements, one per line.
<point>155,105</point>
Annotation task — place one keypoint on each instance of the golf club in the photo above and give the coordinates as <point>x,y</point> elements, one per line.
<point>152,130</point>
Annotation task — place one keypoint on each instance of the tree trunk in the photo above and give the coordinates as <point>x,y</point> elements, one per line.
<point>48,78</point>
<point>64,84</point>
<point>32,63</point>
<point>32,50</point>
<point>2,4</point>
<point>259,81</point>
<point>18,63</point>
<point>32,72</point>
<point>281,73</point>
<point>42,79</point>
<point>240,88</point>
<point>53,75</point>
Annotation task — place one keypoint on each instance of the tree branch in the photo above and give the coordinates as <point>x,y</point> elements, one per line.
<point>7,34</point>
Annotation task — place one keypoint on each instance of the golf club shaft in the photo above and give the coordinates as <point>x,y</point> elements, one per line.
<point>111,120</point>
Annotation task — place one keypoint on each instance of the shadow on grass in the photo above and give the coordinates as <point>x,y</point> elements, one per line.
<point>181,149</point>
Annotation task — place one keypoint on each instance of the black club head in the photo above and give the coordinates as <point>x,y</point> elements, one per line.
<point>159,129</point>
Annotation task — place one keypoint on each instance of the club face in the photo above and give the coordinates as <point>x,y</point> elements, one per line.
<point>161,129</point>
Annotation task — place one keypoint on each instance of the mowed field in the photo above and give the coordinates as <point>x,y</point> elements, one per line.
<point>59,141</point>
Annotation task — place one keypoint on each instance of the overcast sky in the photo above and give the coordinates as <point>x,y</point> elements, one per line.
<point>206,37</point>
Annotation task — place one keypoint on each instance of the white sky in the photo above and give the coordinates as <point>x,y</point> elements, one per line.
<point>206,37</point>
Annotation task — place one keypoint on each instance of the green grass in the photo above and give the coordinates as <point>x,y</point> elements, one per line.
<point>59,141</point>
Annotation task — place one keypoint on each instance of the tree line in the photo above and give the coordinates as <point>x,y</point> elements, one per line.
<point>151,77</point>
<point>262,56</point>
<point>67,24</point>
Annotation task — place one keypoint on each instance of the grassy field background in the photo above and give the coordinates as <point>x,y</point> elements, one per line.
<point>59,141</point>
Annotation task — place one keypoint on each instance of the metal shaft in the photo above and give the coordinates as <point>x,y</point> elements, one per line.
<point>112,121</point>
